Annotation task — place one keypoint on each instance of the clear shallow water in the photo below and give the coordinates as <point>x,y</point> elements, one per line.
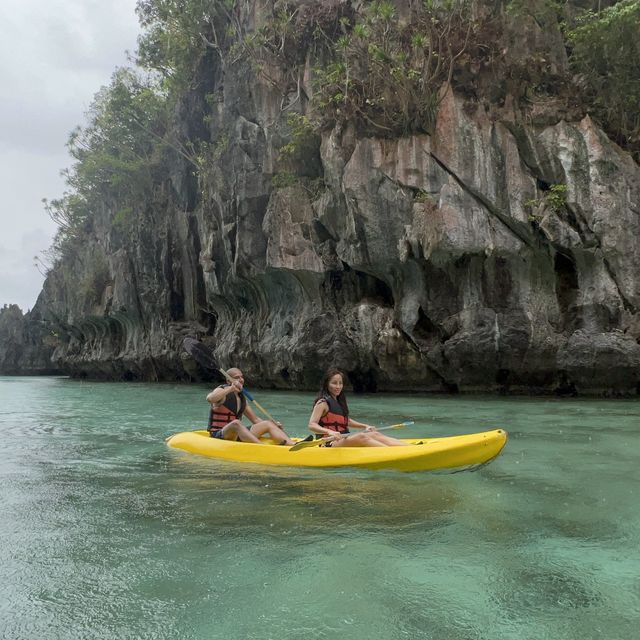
<point>105,532</point>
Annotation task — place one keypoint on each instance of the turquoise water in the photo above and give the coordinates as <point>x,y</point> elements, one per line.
<point>106,533</point>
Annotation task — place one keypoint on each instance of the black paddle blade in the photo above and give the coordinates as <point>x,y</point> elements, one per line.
<point>200,353</point>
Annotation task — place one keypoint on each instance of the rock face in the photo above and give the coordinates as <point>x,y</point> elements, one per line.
<point>25,344</point>
<point>434,263</point>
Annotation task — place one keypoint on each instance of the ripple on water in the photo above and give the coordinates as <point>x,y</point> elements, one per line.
<point>106,533</point>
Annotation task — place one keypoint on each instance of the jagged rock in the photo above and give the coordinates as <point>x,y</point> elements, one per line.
<point>26,344</point>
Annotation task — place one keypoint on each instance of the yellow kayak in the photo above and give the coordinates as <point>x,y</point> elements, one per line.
<point>453,452</point>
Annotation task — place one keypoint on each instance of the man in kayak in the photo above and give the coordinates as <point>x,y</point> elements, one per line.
<point>228,406</point>
<point>330,418</point>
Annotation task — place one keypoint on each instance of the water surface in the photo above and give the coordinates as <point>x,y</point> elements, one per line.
<point>107,533</point>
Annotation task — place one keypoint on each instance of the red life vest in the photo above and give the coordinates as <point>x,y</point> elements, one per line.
<point>221,415</point>
<point>334,419</point>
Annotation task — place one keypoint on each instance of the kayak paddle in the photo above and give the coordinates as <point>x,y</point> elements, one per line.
<point>303,444</point>
<point>200,353</point>
<point>204,356</point>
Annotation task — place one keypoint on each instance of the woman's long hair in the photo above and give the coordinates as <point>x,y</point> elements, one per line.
<point>324,390</point>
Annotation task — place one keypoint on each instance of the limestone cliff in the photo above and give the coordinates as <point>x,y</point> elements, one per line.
<point>497,252</point>
<point>26,344</point>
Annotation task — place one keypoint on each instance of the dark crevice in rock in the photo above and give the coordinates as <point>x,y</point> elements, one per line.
<point>206,317</point>
<point>176,306</point>
<point>612,274</point>
<point>363,380</point>
<point>174,283</point>
<point>361,234</point>
<point>351,286</point>
<point>448,387</point>
<point>153,375</point>
<point>503,380</point>
<point>571,217</point>
<point>568,215</point>
<point>192,189</point>
<point>565,387</point>
<point>116,334</point>
<point>567,289</point>
<point>590,240</point>
<point>525,151</point>
<point>209,320</point>
<point>497,283</point>
<point>425,329</point>
<point>580,226</point>
<point>322,233</point>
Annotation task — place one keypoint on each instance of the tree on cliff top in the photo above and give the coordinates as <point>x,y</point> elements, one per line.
<point>605,50</point>
<point>115,155</point>
<point>177,33</point>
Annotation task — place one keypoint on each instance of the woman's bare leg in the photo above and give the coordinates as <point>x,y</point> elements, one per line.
<point>386,440</point>
<point>358,440</point>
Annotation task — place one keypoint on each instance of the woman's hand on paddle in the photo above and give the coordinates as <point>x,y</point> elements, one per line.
<point>334,437</point>
<point>370,427</point>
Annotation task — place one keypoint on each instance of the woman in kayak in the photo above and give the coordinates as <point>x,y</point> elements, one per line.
<point>330,418</point>
<point>228,406</point>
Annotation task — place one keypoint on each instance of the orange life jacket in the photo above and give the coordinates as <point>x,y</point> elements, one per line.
<point>335,418</point>
<point>221,415</point>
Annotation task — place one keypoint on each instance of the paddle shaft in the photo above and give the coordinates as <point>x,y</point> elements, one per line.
<point>316,443</point>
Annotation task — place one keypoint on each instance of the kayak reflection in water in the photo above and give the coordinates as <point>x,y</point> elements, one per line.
<point>229,405</point>
<point>330,417</point>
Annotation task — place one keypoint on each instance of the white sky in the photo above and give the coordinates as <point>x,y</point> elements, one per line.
<point>54,56</point>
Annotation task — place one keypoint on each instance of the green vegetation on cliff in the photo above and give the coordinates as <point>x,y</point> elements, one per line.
<point>605,53</point>
<point>374,68</point>
<point>371,69</point>
<point>118,157</point>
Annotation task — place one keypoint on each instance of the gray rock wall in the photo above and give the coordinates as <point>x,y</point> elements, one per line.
<point>419,263</point>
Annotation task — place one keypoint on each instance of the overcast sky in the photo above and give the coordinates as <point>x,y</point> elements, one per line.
<point>54,56</point>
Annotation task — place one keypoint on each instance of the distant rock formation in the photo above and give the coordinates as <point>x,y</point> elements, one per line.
<point>26,345</point>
